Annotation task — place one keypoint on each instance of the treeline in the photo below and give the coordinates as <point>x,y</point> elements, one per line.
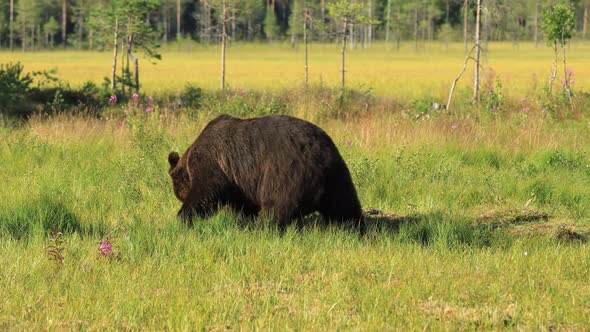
<point>36,24</point>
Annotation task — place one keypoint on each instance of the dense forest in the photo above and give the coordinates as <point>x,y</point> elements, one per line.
<point>88,24</point>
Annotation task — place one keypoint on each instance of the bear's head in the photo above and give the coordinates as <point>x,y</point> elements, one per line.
<point>179,176</point>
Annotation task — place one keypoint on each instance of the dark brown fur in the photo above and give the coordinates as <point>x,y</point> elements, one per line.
<point>276,167</point>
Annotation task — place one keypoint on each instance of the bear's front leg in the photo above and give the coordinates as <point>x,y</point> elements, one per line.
<point>186,214</point>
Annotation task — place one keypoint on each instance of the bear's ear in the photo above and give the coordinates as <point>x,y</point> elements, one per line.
<point>173,158</point>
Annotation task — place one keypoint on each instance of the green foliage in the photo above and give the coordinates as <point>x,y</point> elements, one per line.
<point>191,97</point>
<point>422,106</point>
<point>493,98</point>
<point>347,12</point>
<point>22,94</point>
<point>559,22</point>
<point>14,87</point>
<point>271,27</point>
<point>51,27</point>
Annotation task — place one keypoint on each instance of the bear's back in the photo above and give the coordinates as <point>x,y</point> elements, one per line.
<point>279,149</point>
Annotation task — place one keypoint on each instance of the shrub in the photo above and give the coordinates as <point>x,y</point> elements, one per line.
<point>14,88</point>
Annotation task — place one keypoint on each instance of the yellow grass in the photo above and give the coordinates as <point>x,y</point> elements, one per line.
<point>403,74</point>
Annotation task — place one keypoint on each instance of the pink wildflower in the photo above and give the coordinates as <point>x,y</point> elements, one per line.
<point>135,96</point>
<point>106,249</point>
<point>149,109</point>
<point>113,99</point>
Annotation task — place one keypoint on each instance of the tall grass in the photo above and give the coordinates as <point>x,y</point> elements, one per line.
<point>427,262</point>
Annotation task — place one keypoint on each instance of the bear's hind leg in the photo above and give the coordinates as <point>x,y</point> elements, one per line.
<point>345,211</point>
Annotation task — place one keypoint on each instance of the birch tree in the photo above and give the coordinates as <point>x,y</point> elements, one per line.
<point>346,14</point>
<point>50,28</point>
<point>124,23</point>
<point>558,26</point>
<point>477,51</point>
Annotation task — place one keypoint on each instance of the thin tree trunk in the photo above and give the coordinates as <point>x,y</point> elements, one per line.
<point>351,35</point>
<point>208,20</point>
<point>465,8</point>
<point>177,19</point>
<point>233,25</point>
<point>536,23</point>
<point>293,32</point>
<point>305,17</point>
<point>123,74</point>
<point>323,10</point>
<point>566,82</point>
<point>370,25</point>
<point>448,106</point>
<point>64,21</point>
<point>477,52</point>
<point>553,68</point>
<point>249,29</point>
<point>24,34</point>
<point>342,54</point>
<point>585,24</point>
<point>430,24</point>
<point>448,25</point>
<point>223,37</point>
<point>11,25</point>
<point>415,27</point>
<point>80,29</point>
<point>397,26</point>
<point>486,29</point>
<point>387,22</point>
<point>136,72</point>
<point>135,63</point>
<point>115,50</point>
<point>165,23</point>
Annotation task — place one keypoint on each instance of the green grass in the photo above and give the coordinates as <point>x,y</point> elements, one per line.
<point>428,263</point>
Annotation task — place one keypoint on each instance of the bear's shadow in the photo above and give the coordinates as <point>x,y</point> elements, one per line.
<point>376,222</point>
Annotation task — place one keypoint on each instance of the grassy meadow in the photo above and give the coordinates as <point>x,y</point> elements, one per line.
<point>482,220</point>
<point>387,72</point>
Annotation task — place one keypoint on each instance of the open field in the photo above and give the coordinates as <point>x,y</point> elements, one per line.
<point>482,231</point>
<point>482,222</point>
<point>405,74</point>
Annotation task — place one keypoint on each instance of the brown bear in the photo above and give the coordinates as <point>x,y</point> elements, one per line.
<point>275,167</point>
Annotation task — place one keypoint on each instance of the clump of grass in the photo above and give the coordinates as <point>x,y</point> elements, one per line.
<point>569,234</point>
<point>40,215</point>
